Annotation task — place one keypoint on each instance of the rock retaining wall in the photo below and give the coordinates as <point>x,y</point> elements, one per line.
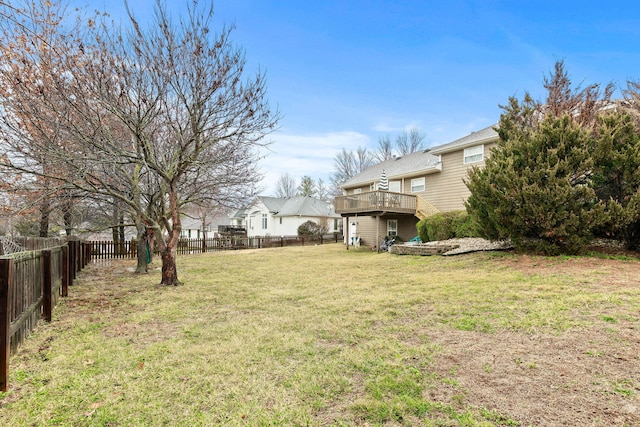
<point>424,249</point>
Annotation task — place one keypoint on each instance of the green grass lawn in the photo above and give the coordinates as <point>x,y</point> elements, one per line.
<point>313,335</point>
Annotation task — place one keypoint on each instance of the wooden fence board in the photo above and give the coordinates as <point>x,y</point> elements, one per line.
<point>6,297</point>
<point>31,283</point>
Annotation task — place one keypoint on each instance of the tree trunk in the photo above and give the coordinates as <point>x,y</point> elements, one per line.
<point>45,210</point>
<point>169,270</point>
<point>142,249</point>
<point>121,227</point>
<point>169,252</point>
<point>66,215</point>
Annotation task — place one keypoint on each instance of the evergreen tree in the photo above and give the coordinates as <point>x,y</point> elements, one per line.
<point>617,176</point>
<point>307,187</point>
<point>537,186</point>
<point>534,188</point>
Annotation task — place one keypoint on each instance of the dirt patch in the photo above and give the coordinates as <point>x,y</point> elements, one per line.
<point>568,379</point>
<point>616,270</point>
<point>586,377</point>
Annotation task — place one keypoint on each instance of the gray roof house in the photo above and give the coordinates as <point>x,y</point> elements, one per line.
<point>420,184</point>
<point>273,216</point>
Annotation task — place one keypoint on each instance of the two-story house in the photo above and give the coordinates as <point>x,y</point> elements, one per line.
<point>419,185</point>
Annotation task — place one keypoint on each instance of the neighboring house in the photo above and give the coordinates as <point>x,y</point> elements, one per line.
<point>192,228</point>
<point>272,216</point>
<point>238,218</point>
<point>420,184</point>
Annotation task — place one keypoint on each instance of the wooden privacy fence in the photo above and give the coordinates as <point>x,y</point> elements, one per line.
<point>108,249</point>
<point>214,244</point>
<point>31,283</point>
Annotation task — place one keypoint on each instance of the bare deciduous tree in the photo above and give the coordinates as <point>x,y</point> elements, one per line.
<point>157,119</point>
<point>347,164</point>
<point>385,149</point>
<point>286,186</point>
<point>406,142</point>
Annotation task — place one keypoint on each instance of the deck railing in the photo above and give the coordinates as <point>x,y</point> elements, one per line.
<point>376,201</point>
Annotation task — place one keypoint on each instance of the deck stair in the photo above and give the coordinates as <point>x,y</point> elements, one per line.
<point>424,209</point>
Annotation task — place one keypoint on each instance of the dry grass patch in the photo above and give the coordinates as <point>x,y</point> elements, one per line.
<point>322,336</point>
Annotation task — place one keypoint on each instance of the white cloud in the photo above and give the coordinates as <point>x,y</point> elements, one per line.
<point>300,155</point>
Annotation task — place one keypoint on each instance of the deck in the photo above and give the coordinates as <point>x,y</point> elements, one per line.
<point>376,202</point>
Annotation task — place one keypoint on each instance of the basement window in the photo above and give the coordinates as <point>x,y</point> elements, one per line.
<point>392,227</point>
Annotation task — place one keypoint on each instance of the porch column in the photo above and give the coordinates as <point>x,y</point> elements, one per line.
<point>377,233</point>
<point>347,233</point>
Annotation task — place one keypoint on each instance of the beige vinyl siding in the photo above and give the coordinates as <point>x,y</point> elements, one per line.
<point>363,189</point>
<point>366,229</point>
<point>446,190</point>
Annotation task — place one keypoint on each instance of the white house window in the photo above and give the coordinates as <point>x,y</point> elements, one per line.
<point>335,224</point>
<point>280,220</point>
<point>392,227</point>
<point>264,221</point>
<point>357,190</point>
<point>417,185</point>
<point>394,186</point>
<point>473,154</point>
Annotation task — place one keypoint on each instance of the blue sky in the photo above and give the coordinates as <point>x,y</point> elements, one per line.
<point>344,73</point>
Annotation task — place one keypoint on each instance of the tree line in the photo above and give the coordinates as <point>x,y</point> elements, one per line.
<point>143,121</point>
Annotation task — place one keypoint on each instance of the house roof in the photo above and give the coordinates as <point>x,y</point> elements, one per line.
<point>483,135</point>
<point>192,223</point>
<point>306,206</point>
<point>239,214</point>
<point>298,206</point>
<point>273,204</point>
<point>410,164</point>
<point>420,162</point>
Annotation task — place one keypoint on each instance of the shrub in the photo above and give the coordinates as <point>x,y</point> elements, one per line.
<point>421,227</point>
<point>309,229</point>
<point>464,226</point>
<point>446,225</point>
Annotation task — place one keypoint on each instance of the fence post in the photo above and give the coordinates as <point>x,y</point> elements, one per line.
<point>72,260</point>
<point>87,253</point>
<point>6,295</point>
<point>80,256</point>
<point>65,270</point>
<point>47,306</point>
